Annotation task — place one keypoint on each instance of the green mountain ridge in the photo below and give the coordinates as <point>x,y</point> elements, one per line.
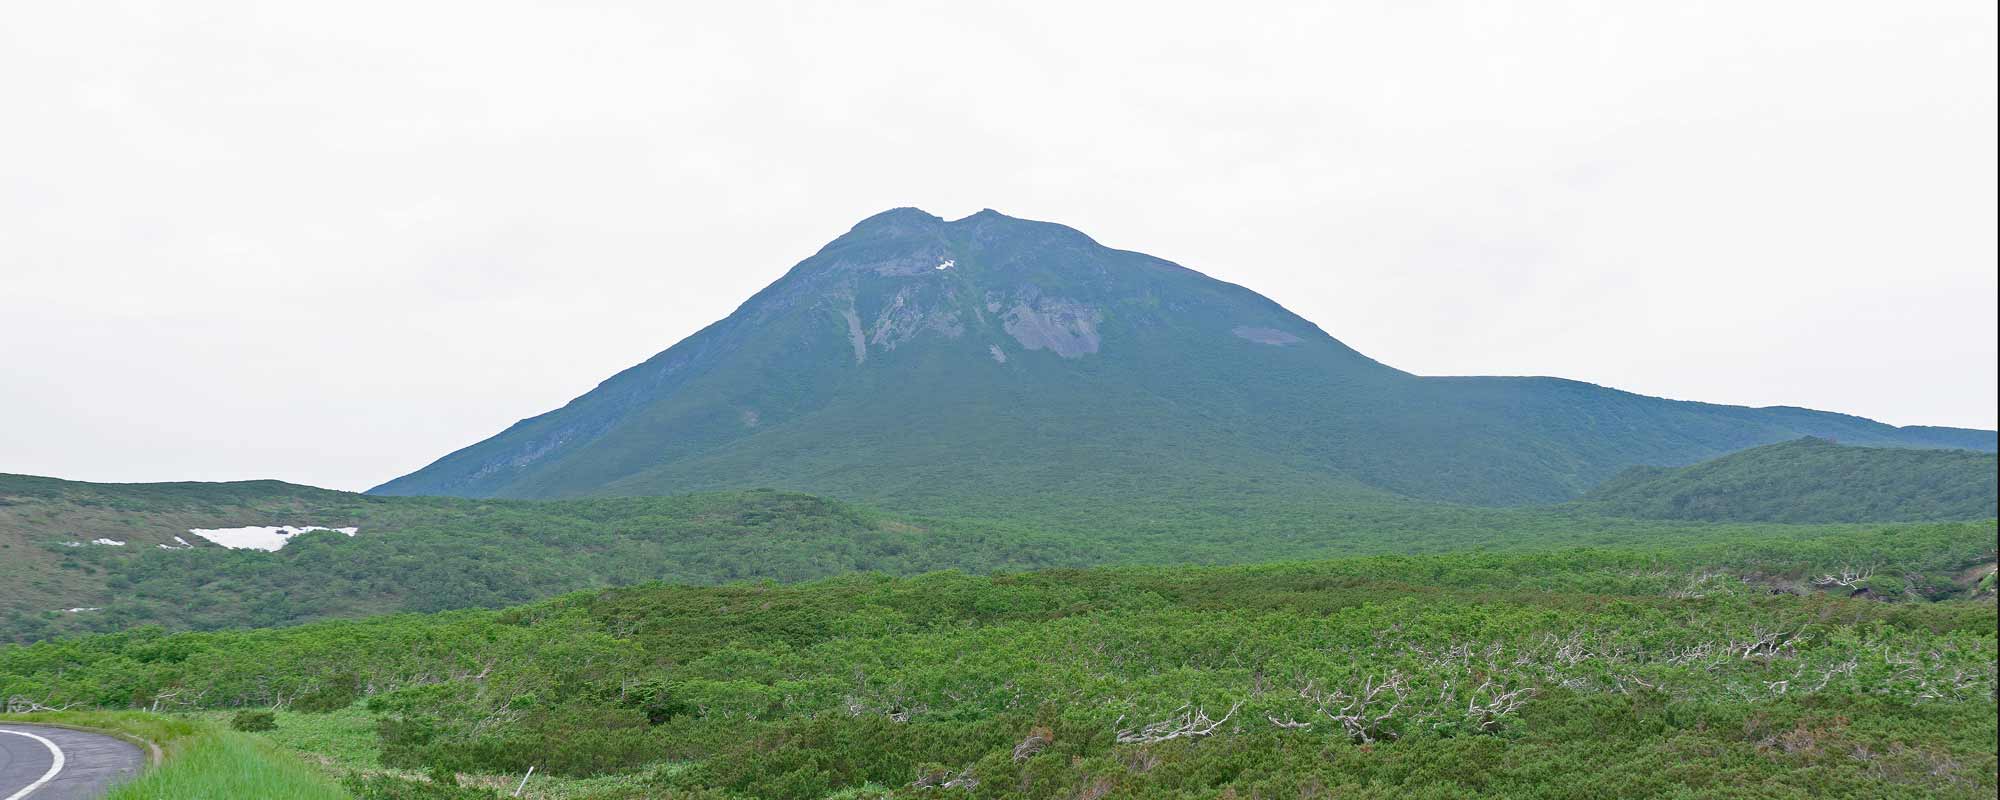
<point>1810,481</point>
<point>999,366</point>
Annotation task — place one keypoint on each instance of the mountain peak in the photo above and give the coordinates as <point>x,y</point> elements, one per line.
<point>911,218</point>
<point>896,220</point>
<point>910,241</point>
<point>899,214</point>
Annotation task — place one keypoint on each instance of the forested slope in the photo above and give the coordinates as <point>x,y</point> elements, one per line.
<point>1810,481</point>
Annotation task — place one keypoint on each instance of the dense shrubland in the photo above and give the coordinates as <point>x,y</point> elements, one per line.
<point>1719,670</point>
<point>437,554</point>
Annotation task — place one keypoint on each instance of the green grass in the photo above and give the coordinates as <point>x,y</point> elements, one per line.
<point>221,764</point>
<point>343,744</point>
<point>203,761</point>
<point>343,739</point>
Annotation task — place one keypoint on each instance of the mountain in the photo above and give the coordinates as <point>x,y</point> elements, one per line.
<point>999,366</point>
<point>1810,480</point>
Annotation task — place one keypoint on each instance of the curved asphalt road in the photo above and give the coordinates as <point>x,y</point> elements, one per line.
<point>38,762</point>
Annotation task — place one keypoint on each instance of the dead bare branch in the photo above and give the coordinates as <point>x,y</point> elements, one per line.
<point>1185,722</point>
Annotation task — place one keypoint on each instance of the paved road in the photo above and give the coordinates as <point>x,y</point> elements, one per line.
<point>38,762</point>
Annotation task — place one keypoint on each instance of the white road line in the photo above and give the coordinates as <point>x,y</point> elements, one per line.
<point>53,768</point>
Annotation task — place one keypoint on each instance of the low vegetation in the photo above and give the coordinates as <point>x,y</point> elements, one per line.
<point>1762,667</point>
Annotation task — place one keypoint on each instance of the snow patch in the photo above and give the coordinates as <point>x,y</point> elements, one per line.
<point>81,609</point>
<point>111,542</point>
<point>184,545</point>
<point>947,264</point>
<point>998,354</point>
<point>259,537</point>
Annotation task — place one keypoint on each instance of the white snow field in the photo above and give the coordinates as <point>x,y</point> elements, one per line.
<point>259,537</point>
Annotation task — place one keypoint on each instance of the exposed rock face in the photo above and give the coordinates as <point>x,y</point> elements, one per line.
<point>854,335</point>
<point>911,313</point>
<point>909,265</point>
<point>1066,327</point>
<point>1271,336</point>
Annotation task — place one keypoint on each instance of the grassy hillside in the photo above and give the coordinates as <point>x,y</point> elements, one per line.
<point>433,554</point>
<point>1721,670</point>
<point>1041,371</point>
<point>1810,480</point>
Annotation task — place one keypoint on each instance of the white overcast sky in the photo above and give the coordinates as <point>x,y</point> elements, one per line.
<point>330,242</point>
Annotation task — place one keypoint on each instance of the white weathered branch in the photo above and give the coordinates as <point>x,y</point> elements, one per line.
<point>1288,723</point>
<point>1847,577</point>
<point>1362,715</point>
<point>1499,704</point>
<point>1185,722</point>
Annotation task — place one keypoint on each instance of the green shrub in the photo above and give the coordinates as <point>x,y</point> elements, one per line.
<point>336,694</point>
<point>1886,585</point>
<point>254,720</point>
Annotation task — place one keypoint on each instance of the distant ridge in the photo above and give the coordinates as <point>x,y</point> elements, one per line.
<point>1810,481</point>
